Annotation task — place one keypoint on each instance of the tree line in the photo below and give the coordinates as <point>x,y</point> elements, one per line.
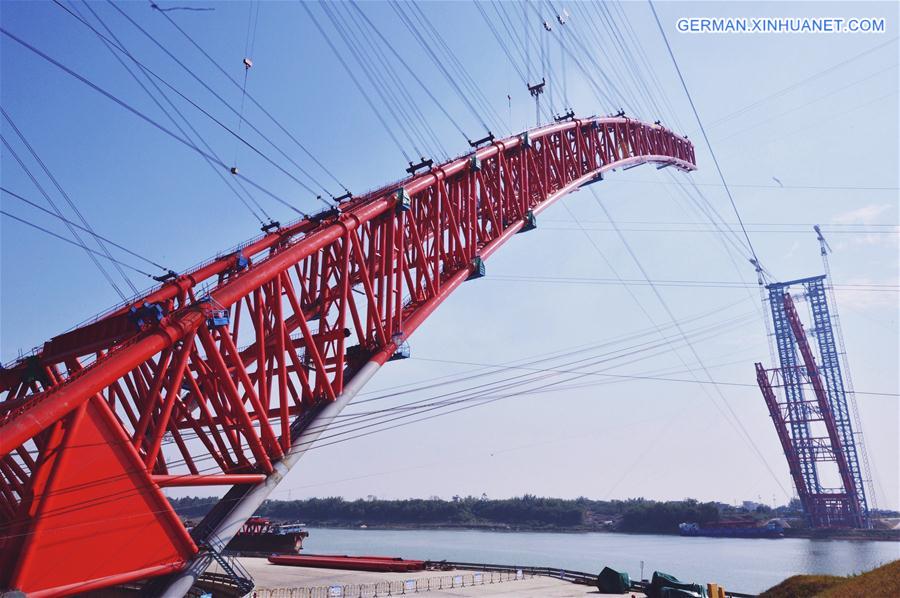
<point>527,512</point>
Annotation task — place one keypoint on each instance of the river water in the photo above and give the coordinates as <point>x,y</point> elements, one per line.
<point>742,565</point>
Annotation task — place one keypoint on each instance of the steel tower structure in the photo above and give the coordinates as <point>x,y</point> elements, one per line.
<point>813,419</point>
<point>227,373</point>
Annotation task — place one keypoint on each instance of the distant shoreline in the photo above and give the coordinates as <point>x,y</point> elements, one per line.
<point>530,514</point>
<point>879,535</point>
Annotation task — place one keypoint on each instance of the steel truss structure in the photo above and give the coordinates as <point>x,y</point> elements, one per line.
<point>226,374</point>
<point>813,429</point>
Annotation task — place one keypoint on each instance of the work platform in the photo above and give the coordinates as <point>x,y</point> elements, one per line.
<point>279,581</point>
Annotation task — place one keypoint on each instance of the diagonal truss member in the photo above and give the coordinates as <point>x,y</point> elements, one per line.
<point>226,374</point>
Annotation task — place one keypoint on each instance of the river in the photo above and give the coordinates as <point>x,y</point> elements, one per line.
<point>743,565</point>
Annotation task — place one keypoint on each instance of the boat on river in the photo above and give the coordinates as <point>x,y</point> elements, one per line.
<point>733,528</point>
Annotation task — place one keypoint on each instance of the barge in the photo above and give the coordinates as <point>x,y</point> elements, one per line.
<point>733,528</point>
<point>260,537</point>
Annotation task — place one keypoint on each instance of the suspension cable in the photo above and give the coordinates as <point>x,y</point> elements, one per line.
<point>439,64</point>
<point>359,86</point>
<point>248,63</point>
<point>384,92</point>
<point>74,232</point>
<point>142,116</point>
<point>409,69</point>
<point>226,180</point>
<point>703,131</point>
<point>76,244</point>
<point>218,96</point>
<point>252,99</point>
<point>690,345</point>
<point>91,232</point>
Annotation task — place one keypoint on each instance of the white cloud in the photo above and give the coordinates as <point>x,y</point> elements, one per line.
<point>870,214</point>
<point>864,215</point>
<point>855,295</point>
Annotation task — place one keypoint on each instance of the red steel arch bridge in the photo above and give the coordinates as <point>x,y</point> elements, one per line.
<point>226,374</point>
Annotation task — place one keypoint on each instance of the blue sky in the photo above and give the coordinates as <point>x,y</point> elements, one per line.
<point>836,132</point>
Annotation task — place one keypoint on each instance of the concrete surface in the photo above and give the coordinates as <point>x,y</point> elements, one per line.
<point>269,576</point>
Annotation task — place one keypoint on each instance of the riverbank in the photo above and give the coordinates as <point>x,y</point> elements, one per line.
<point>528,514</point>
<point>883,581</point>
<point>867,535</point>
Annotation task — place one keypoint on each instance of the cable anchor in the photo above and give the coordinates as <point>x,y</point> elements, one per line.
<point>489,138</point>
<point>272,225</point>
<point>170,275</point>
<point>329,213</point>
<point>536,90</point>
<point>424,163</point>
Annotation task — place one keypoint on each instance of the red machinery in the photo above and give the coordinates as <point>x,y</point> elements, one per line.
<point>355,563</point>
<point>184,387</point>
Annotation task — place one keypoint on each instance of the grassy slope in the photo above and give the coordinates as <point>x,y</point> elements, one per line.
<point>883,581</point>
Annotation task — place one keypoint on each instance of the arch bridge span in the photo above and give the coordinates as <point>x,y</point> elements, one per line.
<point>215,377</point>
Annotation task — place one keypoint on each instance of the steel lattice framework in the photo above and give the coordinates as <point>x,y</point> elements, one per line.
<point>215,377</point>
<point>819,429</point>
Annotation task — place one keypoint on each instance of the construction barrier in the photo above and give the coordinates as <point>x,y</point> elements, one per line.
<point>396,587</point>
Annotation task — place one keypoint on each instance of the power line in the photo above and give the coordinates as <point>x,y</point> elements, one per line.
<point>611,360</point>
<point>761,186</point>
<point>723,284</point>
<point>843,114</point>
<point>656,378</point>
<point>804,81</point>
<point>771,117</point>
<point>648,65</point>
<point>453,58</point>
<point>475,399</point>
<point>415,116</point>
<point>558,354</point>
<point>858,231</point>
<point>737,425</point>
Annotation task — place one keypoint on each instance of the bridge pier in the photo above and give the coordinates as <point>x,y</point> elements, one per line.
<point>225,530</point>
